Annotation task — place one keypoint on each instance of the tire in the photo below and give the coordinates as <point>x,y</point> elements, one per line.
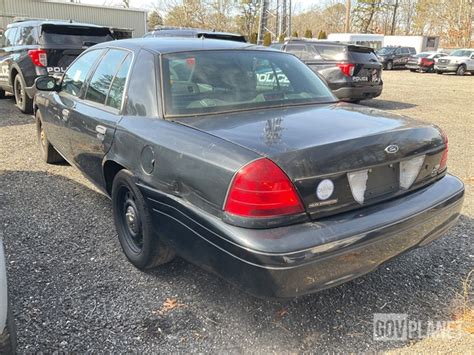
<point>461,70</point>
<point>22,100</point>
<point>2,94</point>
<point>134,227</point>
<point>47,151</point>
<point>8,337</point>
<point>413,70</point>
<point>389,65</point>
<point>439,72</point>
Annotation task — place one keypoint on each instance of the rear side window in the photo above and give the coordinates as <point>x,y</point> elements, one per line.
<point>141,94</point>
<point>332,52</point>
<point>102,78</point>
<point>27,36</point>
<point>297,49</point>
<point>405,51</point>
<point>10,37</point>
<point>74,77</point>
<point>74,36</point>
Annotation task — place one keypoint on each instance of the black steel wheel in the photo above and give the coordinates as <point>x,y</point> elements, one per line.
<point>132,219</point>
<point>23,101</point>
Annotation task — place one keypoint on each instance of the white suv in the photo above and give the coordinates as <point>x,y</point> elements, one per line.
<point>460,61</point>
<point>7,327</point>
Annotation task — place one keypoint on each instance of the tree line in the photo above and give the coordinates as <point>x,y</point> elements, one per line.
<point>449,19</point>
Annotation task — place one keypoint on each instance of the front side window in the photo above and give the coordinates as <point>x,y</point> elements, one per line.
<point>102,78</point>
<point>222,81</point>
<point>74,77</point>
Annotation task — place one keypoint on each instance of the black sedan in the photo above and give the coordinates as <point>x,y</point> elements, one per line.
<point>240,160</point>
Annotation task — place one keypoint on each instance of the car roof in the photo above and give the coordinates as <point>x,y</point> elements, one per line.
<point>39,22</point>
<point>165,45</point>
<point>309,41</point>
<point>192,31</point>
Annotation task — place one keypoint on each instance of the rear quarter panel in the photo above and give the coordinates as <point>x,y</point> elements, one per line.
<point>193,165</point>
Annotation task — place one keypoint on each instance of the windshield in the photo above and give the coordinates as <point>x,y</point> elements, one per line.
<point>205,82</point>
<point>385,50</point>
<point>423,55</point>
<point>461,53</point>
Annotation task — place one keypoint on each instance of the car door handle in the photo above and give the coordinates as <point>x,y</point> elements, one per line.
<point>101,129</point>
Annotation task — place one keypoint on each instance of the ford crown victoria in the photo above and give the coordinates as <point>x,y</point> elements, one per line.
<point>240,159</point>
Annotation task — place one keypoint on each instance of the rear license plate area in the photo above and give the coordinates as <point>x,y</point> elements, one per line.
<point>382,180</point>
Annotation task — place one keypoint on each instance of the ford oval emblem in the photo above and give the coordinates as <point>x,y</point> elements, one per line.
<point>392,149</point>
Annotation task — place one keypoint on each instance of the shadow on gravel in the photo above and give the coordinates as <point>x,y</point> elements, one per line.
<point>73,290</point>
<point>10,115</point>
<point>387,105</point>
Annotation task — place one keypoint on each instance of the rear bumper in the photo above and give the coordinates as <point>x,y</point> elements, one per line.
<point>304,258</point>
<point>358,92</point>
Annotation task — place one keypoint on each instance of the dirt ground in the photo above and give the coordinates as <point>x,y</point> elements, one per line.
<point>73,290</point>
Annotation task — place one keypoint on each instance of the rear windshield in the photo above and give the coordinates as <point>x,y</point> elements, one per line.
<point>74,36</point>
<point>362,55</point>
<point>331,52</point>
<point>222,36</point>
<point>423,55</point>
<point>204,82</point>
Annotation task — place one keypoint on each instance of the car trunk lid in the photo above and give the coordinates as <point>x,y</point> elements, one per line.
<point>315,143</point>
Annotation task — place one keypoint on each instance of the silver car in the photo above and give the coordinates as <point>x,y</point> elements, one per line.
<point>7,327</point>
<point>460,62</point>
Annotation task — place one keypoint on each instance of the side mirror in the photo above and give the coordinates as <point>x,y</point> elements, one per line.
<point>46,83</point>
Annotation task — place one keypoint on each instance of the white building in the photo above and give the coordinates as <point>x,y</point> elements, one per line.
<point>420,43</point>
<point>129,21</point>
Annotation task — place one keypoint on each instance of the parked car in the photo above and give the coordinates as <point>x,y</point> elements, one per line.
<point>33,48</point>
<point>461,61</point>
<point>424,62</point>
<point>194,33</point>
<point>276,45</point>
<point>7,326</point>
<point>353,73</point>
<point>395,57</point>
<point>240,159</point>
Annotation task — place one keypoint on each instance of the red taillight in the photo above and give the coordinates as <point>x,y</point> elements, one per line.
<point>444,158</point>
<point>261,189</point>
<point>38,56</point>
<point>347,68</point>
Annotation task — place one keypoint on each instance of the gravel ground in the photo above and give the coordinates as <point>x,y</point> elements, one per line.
<point>73,290</point>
